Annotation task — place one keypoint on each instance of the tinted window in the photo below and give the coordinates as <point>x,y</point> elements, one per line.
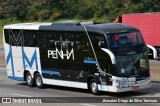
<point>29,39</point>
<point>98,41</point>
<point>82,42</point>
<point>25,38</point>
<point>125,39</point>
<point>70,40</point>
<point>67,40</point>
<point>39,39</point>
<point>6,35</point>
<point>54,39</point>
<point>13,37</point>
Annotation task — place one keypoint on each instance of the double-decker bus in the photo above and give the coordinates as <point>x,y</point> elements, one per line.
<point>96,56</point>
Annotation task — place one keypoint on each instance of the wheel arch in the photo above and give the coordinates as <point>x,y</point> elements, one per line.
<point>89,79</point>
<point>36,73</point>
<point>24,74</point>
<point>26,71</point>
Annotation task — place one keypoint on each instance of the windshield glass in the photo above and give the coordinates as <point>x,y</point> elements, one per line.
<point>125,39</point>
<point>130,53</point>
<point>135,65</point>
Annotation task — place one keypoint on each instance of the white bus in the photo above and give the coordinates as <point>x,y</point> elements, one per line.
<point>96,56</point>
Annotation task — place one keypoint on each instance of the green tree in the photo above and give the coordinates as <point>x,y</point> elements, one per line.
<point>42,10</point>
<point>43,15</point>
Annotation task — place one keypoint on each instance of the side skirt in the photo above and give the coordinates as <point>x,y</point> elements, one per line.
<point>65,83</point>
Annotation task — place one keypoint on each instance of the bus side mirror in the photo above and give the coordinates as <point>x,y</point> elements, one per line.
<point>113,59</point>
<point>155,54</point>
<point>101,44</point>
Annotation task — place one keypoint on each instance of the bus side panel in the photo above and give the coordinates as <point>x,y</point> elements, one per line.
<point>31,59</point>
<point>8,61</point>
<point>74,84</point>
<point>61,69</point>
<point>13,64</point>
<point>17,61</point>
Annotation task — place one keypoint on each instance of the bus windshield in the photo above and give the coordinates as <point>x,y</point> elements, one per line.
<point>125,39</point>
<point>130,53</point>
<point>135,65</point>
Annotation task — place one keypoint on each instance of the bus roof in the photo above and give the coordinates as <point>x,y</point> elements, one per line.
<point>74,26</point>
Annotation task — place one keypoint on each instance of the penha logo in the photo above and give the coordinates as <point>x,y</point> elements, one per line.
<point>63,52</point>
<point>55,53</point>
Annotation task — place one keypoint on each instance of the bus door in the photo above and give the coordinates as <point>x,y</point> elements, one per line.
<point>84,58</point>
<point>103,59</point>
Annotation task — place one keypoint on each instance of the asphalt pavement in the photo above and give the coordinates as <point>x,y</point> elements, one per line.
<point>11,88</point>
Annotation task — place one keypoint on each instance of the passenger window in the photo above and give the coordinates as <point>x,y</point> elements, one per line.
<point>82,42</point>
<point>40,39</point>
<point>25,38</point>
<point>29,39</point>
<point>53,39</point>
<point>15,37</point>
<point>69,40</point>
<point>98,41</point>
<point>6,34</point>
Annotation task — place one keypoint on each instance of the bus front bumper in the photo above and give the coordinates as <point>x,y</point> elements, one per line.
<point>126,84</point>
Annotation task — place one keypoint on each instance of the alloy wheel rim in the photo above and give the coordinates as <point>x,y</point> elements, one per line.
<point>94,86</point>
<point>39,81</point>
<point>29,78</point>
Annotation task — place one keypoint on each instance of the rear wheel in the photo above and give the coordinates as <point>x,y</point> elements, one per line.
<point>29,80</point>
<point>94,87</point>
<point>38,80</point>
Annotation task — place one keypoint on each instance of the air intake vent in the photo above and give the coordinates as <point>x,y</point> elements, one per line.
<point>74,22</point>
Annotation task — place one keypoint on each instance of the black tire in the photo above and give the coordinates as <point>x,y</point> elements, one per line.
<point>29,80</point>
<point>94,87</point>
<point>39,81</point>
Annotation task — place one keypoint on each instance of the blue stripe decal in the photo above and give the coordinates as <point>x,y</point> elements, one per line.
<point>50,72</point>
<point>90,61</point>
<point>30,63</point>
<point>16,78</point>
<point>10,56</point>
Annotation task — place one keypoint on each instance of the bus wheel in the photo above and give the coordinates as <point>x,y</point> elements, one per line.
<point>29,80</point>
<point>94,87</point>
<point>38,80</point>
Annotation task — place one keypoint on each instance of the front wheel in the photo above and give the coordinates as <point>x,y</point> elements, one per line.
<point>29,80</point>
<point>38,80</point>
<point>94,87</point>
